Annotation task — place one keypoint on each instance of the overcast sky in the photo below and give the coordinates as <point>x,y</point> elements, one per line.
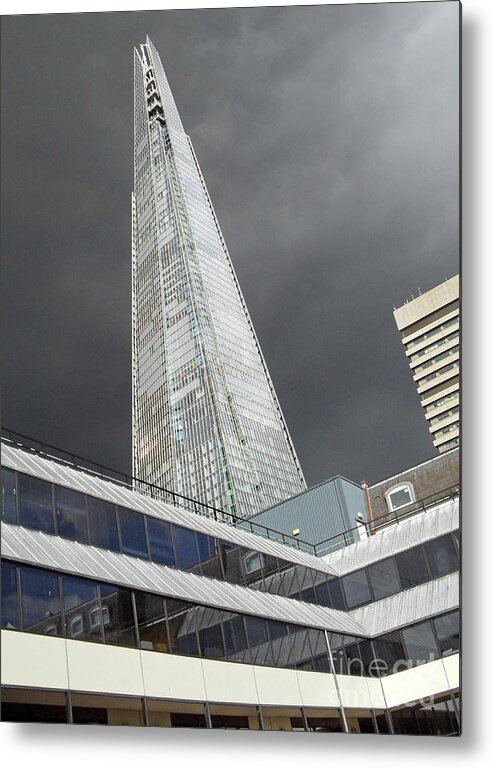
<point>328,138</point>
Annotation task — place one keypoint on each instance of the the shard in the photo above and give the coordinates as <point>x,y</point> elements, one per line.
<point>206,420</point>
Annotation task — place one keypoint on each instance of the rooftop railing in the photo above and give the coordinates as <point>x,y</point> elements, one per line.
<point>364,529</point>
<point>72,460</point>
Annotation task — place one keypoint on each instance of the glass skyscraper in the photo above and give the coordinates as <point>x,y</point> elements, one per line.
<point>206,420</point>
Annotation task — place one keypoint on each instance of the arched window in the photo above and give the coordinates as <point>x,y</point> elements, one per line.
<point>399,496</point>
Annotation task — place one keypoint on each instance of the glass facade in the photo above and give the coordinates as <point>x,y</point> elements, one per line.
<point>206,420</point>
<point>79,517</point>
<point>43,602</point>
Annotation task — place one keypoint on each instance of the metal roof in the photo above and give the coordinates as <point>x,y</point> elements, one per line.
<point>410,606</point>
<point>408,533</point>
<point>54,472</point>
<point>44,550</point>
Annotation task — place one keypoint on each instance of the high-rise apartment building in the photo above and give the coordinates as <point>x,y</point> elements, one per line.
<point>430,333</point>
<point>206,419</point>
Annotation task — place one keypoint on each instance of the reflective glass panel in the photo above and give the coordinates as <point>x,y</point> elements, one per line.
<point>151,620</point>
<point>132,533</point>
<point>384,578</point>
<point>412,568</point>
<point>9,514</point>
<point>41,609</point>
<point>160,541</point>
<point>118,617</point>
<point>102,524</point>
<point>442,556</point>
<point>389,654</point>
<point>10,607</point>
<point>336,595</point>
<point>71,516</point>
<point>182,627</point>
<point>356,588</point>
<point>80,601</point>
<point>447,628</point>
<point>186,554</point>
<point>36,504</point>
<point>420,643</point>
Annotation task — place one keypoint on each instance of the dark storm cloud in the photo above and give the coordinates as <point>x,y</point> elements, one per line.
<point>328,137</point>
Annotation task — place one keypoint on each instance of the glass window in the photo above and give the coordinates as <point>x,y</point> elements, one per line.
<point>41,610</point>
<point>234,635</point>
<point>206,546</point>
<point>442,556</point>
<point>182,627</point>
<point>80,600</point>
<point>256,630</point>
<point>447,628</point>
<point>384,578</point>
<point>132,532</point>
<point>412,568</point>
<point>36,504</point>
<point>185,548</point>
<point>119,628</point>
<point>400,496</point>
<point>9,514</point>
<point>151,620</point>
<point>160,541</point>
<point>210,637</point>
<point>70,509</point>
<point>322,596</point>
<point>356,588</point>
<point>10,606</point>
<point>336,595</point>
<point>253,562</point>
<point>389,654</point>
<point>102,524</point>
<point>420,643</point>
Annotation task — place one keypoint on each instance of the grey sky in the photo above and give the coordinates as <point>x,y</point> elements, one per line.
<point>328,138</point>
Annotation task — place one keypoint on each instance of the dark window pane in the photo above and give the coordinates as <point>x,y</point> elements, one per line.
<point>308,595</point>
<point>356,588</point>
<point>206,546</point>
<point>151,620</point>
<point>210,637</point>
<point>447,628</point>
<point>353,659</point>
<point>335,593</point>
<point>277,629</point>
<point>389,655</point>
<point>420,643</point>
<point>10,608</point>
<point>234,635</point>
<point>412,568</point>
<point>132,531</point>
<point>102,524</point>
<point>70,508</point>
<point>185,548</point>
<point>256,630</point>
<point>442,556</point>
<point>41,610</point>
<point>9,514</point>
<point>82,613</point>
<point>384,578</point>
<point>322,594</point>
<point>160,542</point>
<point>36,506</point>
<point>118,617</point>
<point>182,627</point>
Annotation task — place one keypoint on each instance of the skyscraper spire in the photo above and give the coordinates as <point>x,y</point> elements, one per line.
<point>206,419</point>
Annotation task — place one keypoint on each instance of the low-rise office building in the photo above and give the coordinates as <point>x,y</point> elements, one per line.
<point>119,608</point>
